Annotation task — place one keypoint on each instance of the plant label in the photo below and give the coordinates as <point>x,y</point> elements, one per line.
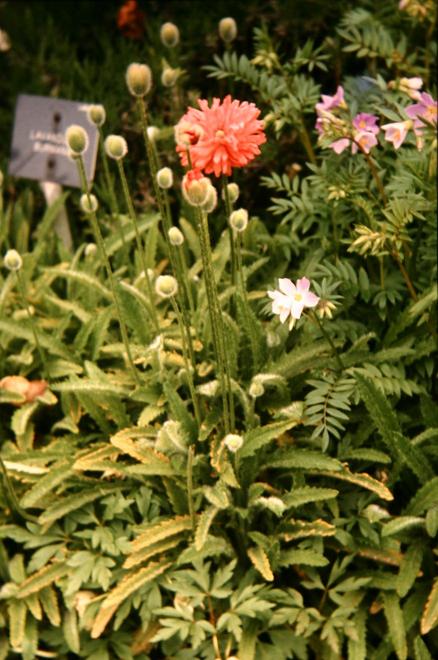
<point>39,150</point>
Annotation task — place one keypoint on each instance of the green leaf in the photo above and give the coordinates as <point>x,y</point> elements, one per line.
<point>304,557</point>
<point>303,459</point>
<point>357,648</point>
<point>17,623</point>
<point>67,504</point>
<point>261,436</point>
<point>420,650</point>
<point>307,494</point>
<point>396,624</point>
<point>387,424</point>
<point>161,531</point>
<point>41,579</point>
<point>363,480</point>
<point>71,631</point>
<point>425,498</point>
<point>401,524</point>
<point>205,520</point>
<point>429,618</point>
<point>409,569</point>
<point>46,484</point>
<point>261,562</point>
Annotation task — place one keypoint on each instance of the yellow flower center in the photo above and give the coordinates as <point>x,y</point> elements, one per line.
<point>298,297</point>
<point>220,134</point>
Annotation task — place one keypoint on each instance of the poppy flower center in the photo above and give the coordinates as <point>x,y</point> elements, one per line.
<point>220,133</point>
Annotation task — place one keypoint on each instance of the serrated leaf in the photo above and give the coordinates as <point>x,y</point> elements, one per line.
<point>420,650</point>
<point>261,436</point>
<point>127,586</point>
<point>161,531</point>
<point>41,579</point>
<point>204,523</point>
<point>260,560</point>
<point>49,603</point>
<point>425,498</point>
<point>149,552</point>
<point>409,569</point>
<point>67,505</point>
<point>70,630</point>
<point>46,484</point>
<point>297,529</point>
<point>401,524</point>
<point>305,557</point>
<point>396,625</point>
<point>357,648</point>
<point>363,480</point>
<point>17,623</point>
<point>307,494</point>
<point>429,617</point>
<point>303,459</point>
<point>387,424</point>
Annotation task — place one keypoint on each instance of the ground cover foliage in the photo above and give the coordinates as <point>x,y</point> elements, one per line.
<point>133,525</point>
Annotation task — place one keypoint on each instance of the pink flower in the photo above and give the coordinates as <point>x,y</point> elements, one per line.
<point>330,102</point>
<point>366,122</point>
<point>227,135</point>
<point>397,132</point>
<point>291,299</point>
<point>339,146</point>
<point>365,140</point>
<point>426,109</point>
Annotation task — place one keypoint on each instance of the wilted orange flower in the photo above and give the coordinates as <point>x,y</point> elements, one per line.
<point>226,135</point>
<point>130,20</point>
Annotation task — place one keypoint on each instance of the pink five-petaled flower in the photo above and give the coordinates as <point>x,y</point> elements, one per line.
<point>366,122</point>
<point>291,299</point>
<point>426,108</point>
<point>228,135</point>
<point>330,102</point>
<point>397,132</point>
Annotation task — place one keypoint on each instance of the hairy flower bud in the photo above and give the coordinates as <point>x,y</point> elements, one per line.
<point>233,442</point>
<point>169,76</point>
<point>138,79</point>
<point>239,220</point>
<point>256,389</point>
<point>166,286</point>
<point>211,201</point>
<point>233,192</point>
<point>165,178</point>
<point>12,260</point>
<point>116,147</point>
<point>227,29</point>
<point>195,191</point>
<point>176,237</point>
<point>169,35</point>
<point>153,133</point>
<point>77,139</point>
<point>90,250</point>
<point>96,115</point>
<point>88,203</point>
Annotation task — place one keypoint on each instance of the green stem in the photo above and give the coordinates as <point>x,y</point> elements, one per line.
<point>215,320</point>
<point>189,364</point>
<point>330,341</point>
<point>190,457</point>
<point>106,263</point>
<point>26,305</point>
<point>245,301</point>
<point>406,277</point>
<point>306,142</point>
<point>374,172</point>
<point>140,246</point>
<point>228,211</point>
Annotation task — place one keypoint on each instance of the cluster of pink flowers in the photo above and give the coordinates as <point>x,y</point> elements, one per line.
<point>360,134</point>
<point>215,139</point>
<point>420,114</point>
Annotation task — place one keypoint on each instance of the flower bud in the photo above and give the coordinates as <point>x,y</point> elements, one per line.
<point>169,35</point>
<point>166,286</point>
<point>176,237</point>
<point>153,133</point>
<point>77,139</point>
<point>169,76</point>
<point>12,260</point>
<point>165,178</point>
<point>233,192</point>
<point>256,389</point>
<point>96,115</point>
<point>138,79</point>
<point>195,191</point>
<point>227,29</point>
<point>211,201</point>
<point>116,147</point>
<point>88,203</point>
<point>233,442</point>
<point>239,220</point>
<point>90,250</point>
